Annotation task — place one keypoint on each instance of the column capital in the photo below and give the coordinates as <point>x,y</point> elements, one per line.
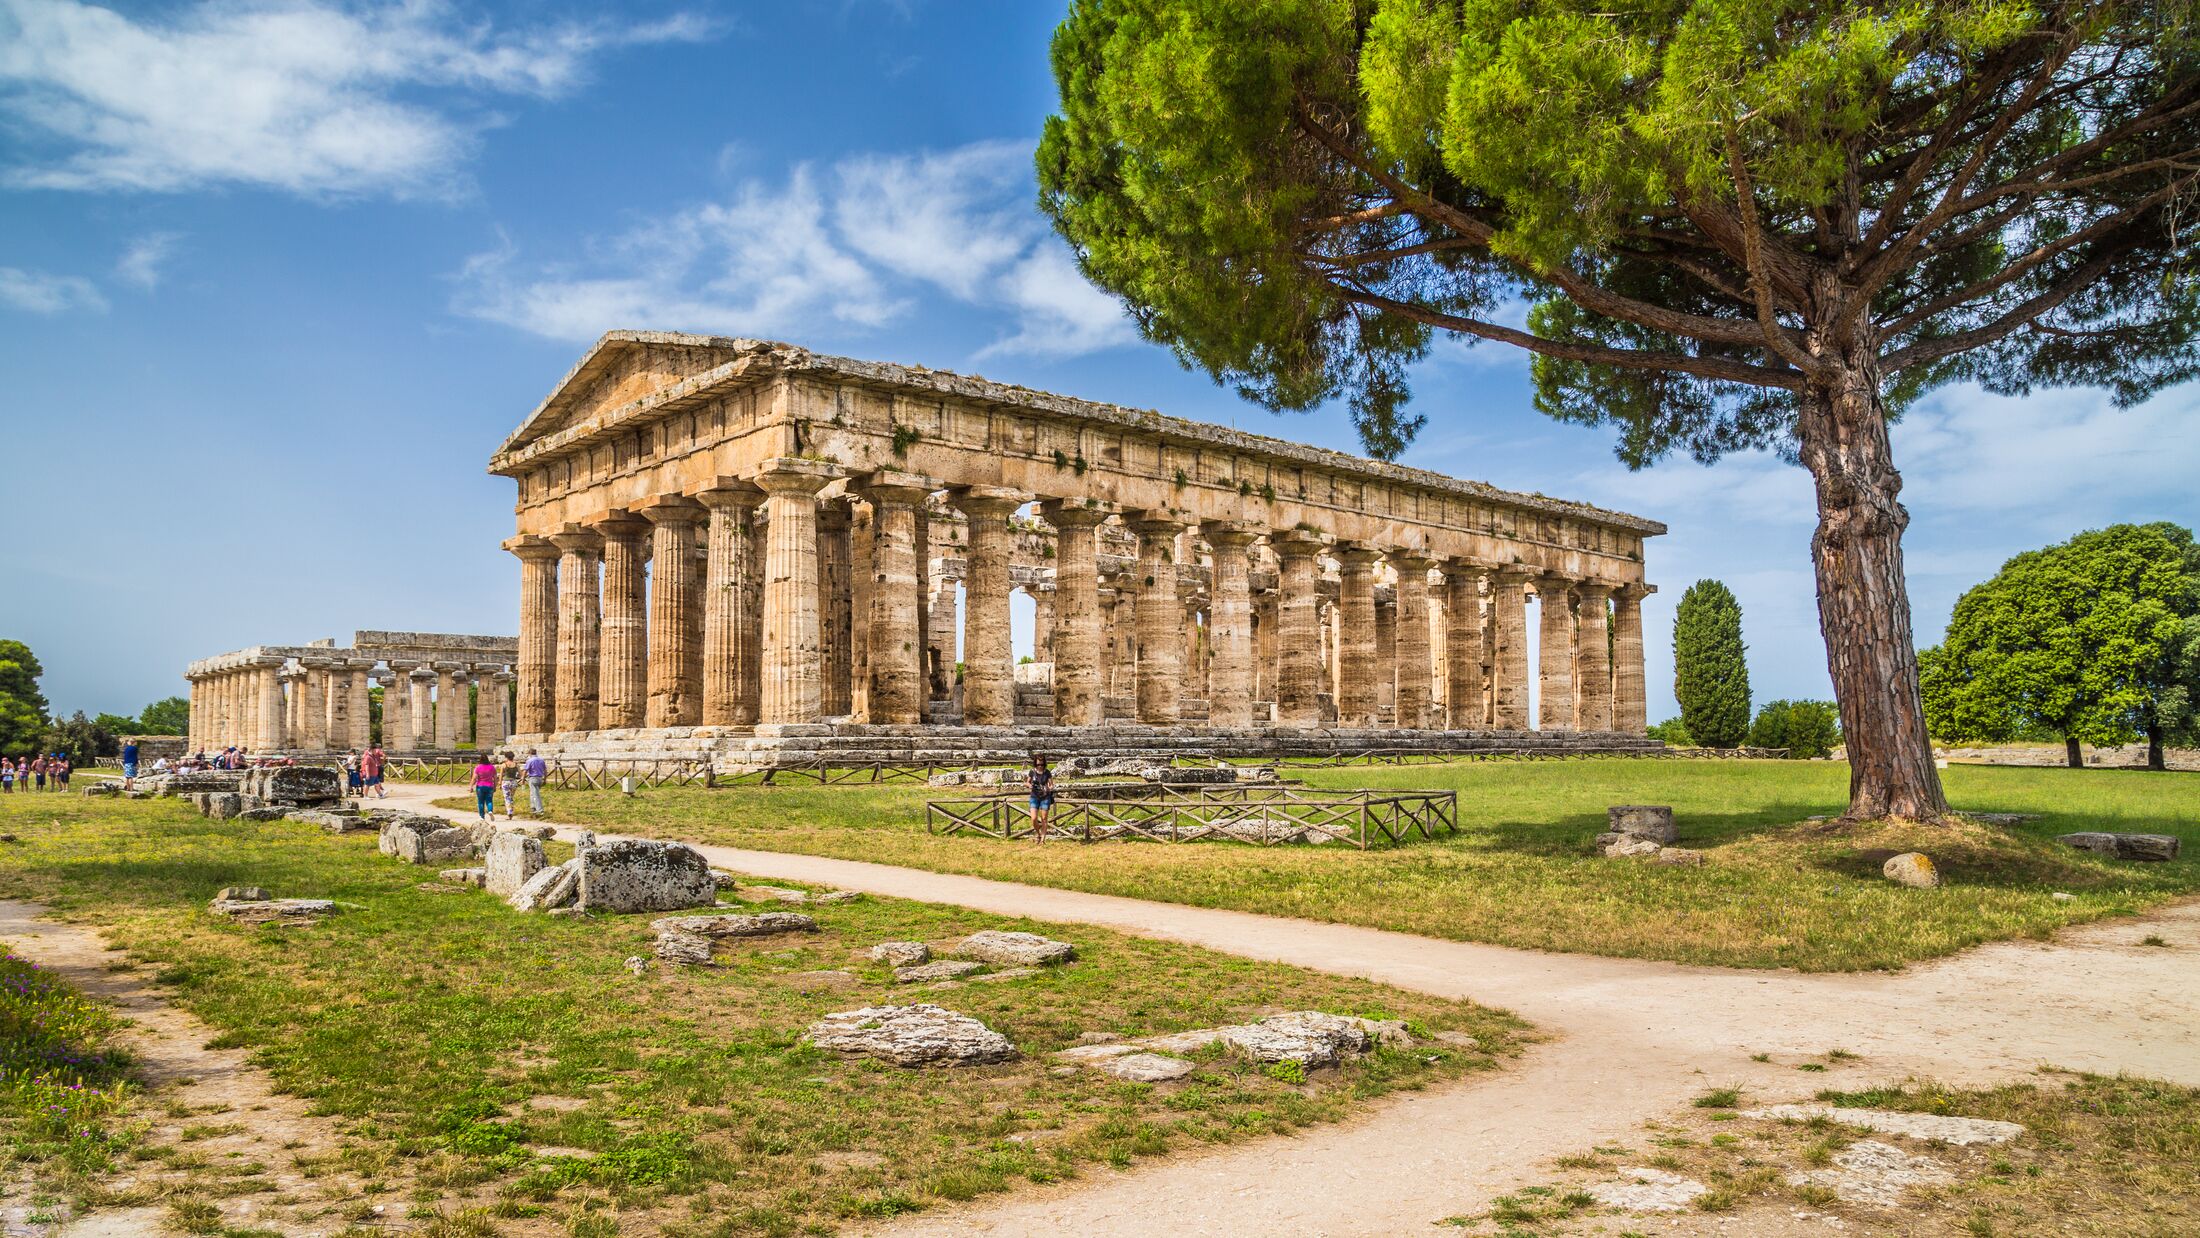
<point>318,664</point>
<point>987,500</point>
<point>794,475</point>
<point>1158,521</point>
<point>893,486</point>
<point>531,548</point>
<point>1353,554</point>
<point>1556,582</point>
<point>1594,589</point>
<point>1295,543</point>
<point>672,509</point>
<point>1076,513</point>
<point>727,492</point>
<point>1236,534</point>
<point>490,668</point>
<point>420,675</point>
<point>1634,591</point>
<point>448,667</point>
<point>574,539</point>
<point>1514,574</point>
<point>1409,560</point>
<point>401,666</point>
<point>266,660</point>
<point>618,524</point>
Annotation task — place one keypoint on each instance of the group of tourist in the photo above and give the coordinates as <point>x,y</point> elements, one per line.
<point>508,773</point>
<point>43,772</point>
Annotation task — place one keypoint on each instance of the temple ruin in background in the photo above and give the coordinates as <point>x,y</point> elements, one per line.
<point>732,544</point>
<point>316,698</point>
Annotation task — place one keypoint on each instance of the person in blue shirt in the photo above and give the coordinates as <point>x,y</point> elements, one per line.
<point>129,764</point>
<point>536,770</point>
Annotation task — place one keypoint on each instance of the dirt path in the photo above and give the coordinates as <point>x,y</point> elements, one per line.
<point>190,1085</point>
<point>1632,1040</point>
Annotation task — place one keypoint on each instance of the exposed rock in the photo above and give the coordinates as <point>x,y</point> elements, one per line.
<point>899,953</point>
<point>737,926</point>
<point>2005,818</point>
<point>543,833</point>
<point>1012,973</point>
<point>1941,1128</point>
<point>1146,1067</point>
<point>281,911</point>
<point>1457,1040</point>
<point>568,913</point>
<point>425,840</point>
<point>1003,949</point>
<point>1649,1190</point>
<point>344,821</point>
<point>1651,821</point>
<point>2152,847</point>
<point>1871,1172</point>
<point>263,814</point>
<point>1616,846</point>
<point>242,894</point>
<point>1308,1037</point>
<point>637,874</point>
<point>221,805</point>
<point>295,785</point>
<point>551,888</point>
<point>511,861</point>
<point>689,948</point>
<point>946,969</point>
<point>916,1035</point>
<point>769,894</point>
<point>637,964</point>
<point>464,876</point>
<point>836,896</point>
<point>1914,869</point>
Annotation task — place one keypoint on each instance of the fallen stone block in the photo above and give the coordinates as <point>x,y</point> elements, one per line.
<point>1941,1128</point>
<point>345,821</point>
<point>425,840</point>
<point>1004,949</point>
<point>279,911</point>
<point>1871,1172</point>
<point>1146,1067</point>
<point>2155,848</point>
<point>687,948</point>
<point>1651,821</point>
<point>1914,869</point>
<point>242,894</point>
<point>765,925</point>
<point>900,953</point>
<point>945,969</point>
<point>550,889</point>
<point>263,814</point>
<point>298,785</point>
<point>1621,846</point>
<point>199,780</point>
<point>221,805</point>
<point>635,874</point>
<point>464,876</point>
<point>1308,1037</point>
<point>1012,973</point>
<point>511,861</point>
<point>915,1035</point>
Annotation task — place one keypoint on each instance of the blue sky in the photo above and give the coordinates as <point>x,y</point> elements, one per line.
<point>275,279</point>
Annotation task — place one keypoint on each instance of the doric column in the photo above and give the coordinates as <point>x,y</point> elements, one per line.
<point>1107,598</point>
<point>359,708</point>
<point>1411,710</point>
<point>492,684</point>
<point>834,597</point>
<point>197,705</point>
<point>1077,699</point>
<point>1465,704</point>
<point>941,624</point>
<point>397,735</point>
<point>1630,699</point>
<point>793,669</point>
<point>315,707</point>
<point>989,671</point>
<point>1160,621</point>
<point>1385,664</point>
<point>1355,635</point>
<point>675,664</point>
<point>1193,681</point>
<point>421,685</point>
<point>1043,619</point>
<point>921,539</point>
<point>579,627</point>
<point>1555,653</point>
<point>1230,627</point>
<point>730,642</point>
<point>1509,654</point>
<point>267,688</point>
<point>622,694</point>
<point>538,640</point>
<point>1264,646</point>
<point>1298,653</point>
<point>450,706</point>
<point>1593,658</point>
<point>898,687</point>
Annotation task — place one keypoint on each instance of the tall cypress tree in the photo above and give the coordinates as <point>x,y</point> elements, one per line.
<point>1710,675</point>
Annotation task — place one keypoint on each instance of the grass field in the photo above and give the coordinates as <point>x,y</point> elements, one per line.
<point>488,1061</point>
<point>1521,871</point>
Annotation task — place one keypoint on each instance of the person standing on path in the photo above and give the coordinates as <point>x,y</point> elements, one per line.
<point>129,764</point>
<point>370,771</point>
<point>536,770</point>
<point>485,788</point>
<point>508,780</point>
<point>1042,796</point>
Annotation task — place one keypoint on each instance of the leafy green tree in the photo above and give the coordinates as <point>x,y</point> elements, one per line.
<point>1710,667</point>
<point>1672,731</point>
<point>170,715</point>
<point>1807,729</point>
<point>2086,639</point>
<point>115,724</point>
<point>80,737</point>
<point>1738,223</point>
<point>22,705</point>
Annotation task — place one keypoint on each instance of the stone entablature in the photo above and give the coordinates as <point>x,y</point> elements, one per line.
<point>316,698</point>
<point>730,533</point>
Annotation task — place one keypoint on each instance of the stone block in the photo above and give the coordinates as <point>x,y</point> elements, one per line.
<point>296,784</point>
<point>1914,869</point>
<point>946,969</point>
<point>900,953</point>
<point>425,840</point>
<point>511,861</point>
<point>1003,949</point>
<point>1651,821</point>
<point>1146,1067</point>
<point>550,889</point>
<point>916,1035</point>
<point>464,876</point>
<point>223,805</point>
<point>2157,848</point>
<point>765,925</point>
<point>635,874</point>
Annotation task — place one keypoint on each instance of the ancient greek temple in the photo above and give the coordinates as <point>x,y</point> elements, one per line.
<point>439,691</point>
<point>727,539</point>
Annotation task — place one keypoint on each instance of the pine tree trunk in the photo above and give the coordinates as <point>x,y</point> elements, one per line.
<point>1863,599</point>
<point>2073,755</point>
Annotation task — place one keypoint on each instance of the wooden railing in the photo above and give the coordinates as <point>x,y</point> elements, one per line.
<point>1266,816</point>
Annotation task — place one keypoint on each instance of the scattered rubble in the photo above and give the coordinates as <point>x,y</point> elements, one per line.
<point>551,889</point>
<point>2157,848</point>
<point>1007,949</point>
<point>916,1035</point>
<point>1871,1172</point>
<point>254,905</point>
<point>900,953</point>
<point>946,969</point>
<point>1649,1190</point>
<point>764,925</point>
<point>1311,1038</point>
<point>692,949</point>
<point>418,839</point>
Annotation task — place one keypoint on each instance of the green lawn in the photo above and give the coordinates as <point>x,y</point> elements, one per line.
<point>1521,871</point>
<point>428,1021</point>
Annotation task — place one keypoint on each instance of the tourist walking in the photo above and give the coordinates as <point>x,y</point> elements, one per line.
<point>371,764</point>
<point>129,764</point>
<point>355,779</point>
<point>1041,777</point>
<point>535,770</point>
<point>485,789</point>
<point>508,780</point>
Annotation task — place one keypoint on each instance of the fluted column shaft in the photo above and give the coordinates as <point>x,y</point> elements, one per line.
<point>675,668</point>
<point>836,621</point>
<point>1555,655</point>
<point>729,641</point>
<point>423,708</point>
<point>989,672</point>
<point>1509,658</point>
<point>1077,699</point>
<point>1465,692</point>
<point>941,625</point>
<point>1593,658</point>
<point>1383,667</point>
<point>538,639</point>
<point>1630,699</point>
<point>793,663</point>
<point>1230,629</point>
<point>360,707</point>
<point>267,691</point>
<point>397,735</point>
<point>1160,623</point>
<point>1411,710</point>
<point>314,710</point>
<point>579,630</point>
<point>623,691</point>
<point>491,686</point>
<point>898,686</point>
<point>449,709</point>
<point>1298,652</point>
<point>1356,637</point>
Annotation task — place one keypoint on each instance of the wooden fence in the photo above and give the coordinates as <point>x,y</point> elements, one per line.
<point>1265,816</point>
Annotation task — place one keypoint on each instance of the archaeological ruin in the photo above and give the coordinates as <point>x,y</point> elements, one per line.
<point>316,698</point>
<point>732,546</point>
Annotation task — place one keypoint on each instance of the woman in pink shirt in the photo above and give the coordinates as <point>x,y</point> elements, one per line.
<point>485,788</point>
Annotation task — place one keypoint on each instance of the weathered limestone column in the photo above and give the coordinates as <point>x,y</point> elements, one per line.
<point>921,540</point>
<point>989,671</point>
<point>1298,655</point>
<point>423,708</point>
<point>1043,621</point>
<point>941,625</point>
<point>1160,621</point>
<point>793,666</point>
<point>1465,707</point>
<point>397,733</point>
<point>450,705</point>
<point>579,627</point>
<point>730,643</point>
<point>1630,698</point>
<point>675,676</point>
<point>835,621</point>
<point>267,690</point>
<point>898,684</point>
<point>1264,648</point>
<point>314,710</point>
<point>1109,597</point>
<point>1593,658</point>
<point>623,690</point>
<point>1555,654</point>
<point>1193,681</point>
<point>1230,626</point>
<point>1385,668</point>
<point>1509,653</point>
<point>1355,636</point>
<point>1411,710</point>
<point>492,684</point>
<point>359,710</point>
<point>1077,699</point>
<point>538,639</point>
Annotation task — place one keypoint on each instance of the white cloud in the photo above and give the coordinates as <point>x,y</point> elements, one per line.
<point>140,265</point>
<point>39,293</point>
<point>853,246</point>
<point>295,95</point>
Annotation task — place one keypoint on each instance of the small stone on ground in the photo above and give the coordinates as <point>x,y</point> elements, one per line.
<point>1649,1190</point>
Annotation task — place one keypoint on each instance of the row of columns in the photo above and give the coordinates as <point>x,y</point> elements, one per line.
<point>269,704</point>
<point>761,608</point>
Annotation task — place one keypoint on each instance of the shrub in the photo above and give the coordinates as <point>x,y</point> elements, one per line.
<point>1710,671</point>
<point>1807,729</point>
